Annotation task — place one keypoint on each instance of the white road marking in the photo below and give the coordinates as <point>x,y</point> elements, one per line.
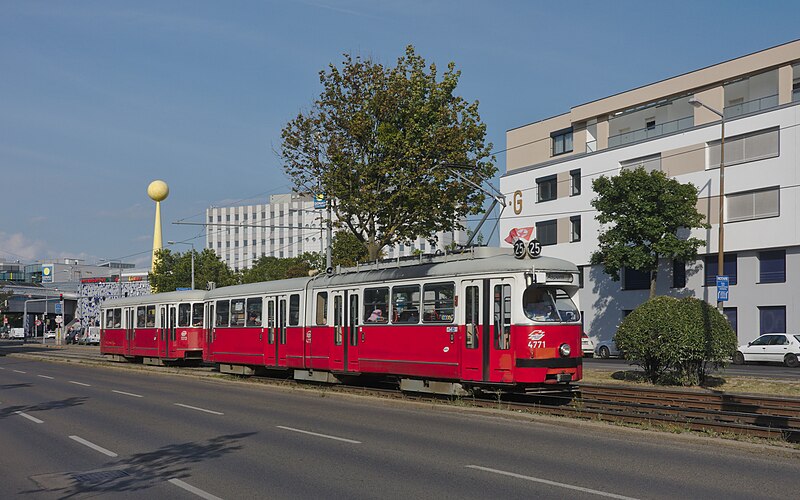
<point>551,483</point>
<point>93,446</point>
<point>45,376</point>
<point>199,409</point>
<point>79,383</point>
<point>128,394</point>
<point>32,419</point>
<point>20,371</point>
<point>1,368</point>
<point>318,435</point>
<point>192,489</point>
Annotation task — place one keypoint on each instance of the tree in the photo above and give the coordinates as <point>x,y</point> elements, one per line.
<point>676,339</point>
<point>642,214</point>
<point>272,268</point>
<point>347,250</point>
<point>174,270</point>
<point>372,140</point>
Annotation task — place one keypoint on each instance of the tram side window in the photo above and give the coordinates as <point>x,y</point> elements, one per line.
<point>502,316</point>
<point>184,314</point>
<point>294,309</point>
<point>197,315</point>
<point>113,318</point>
<point>150,317</point>
<point>472,310</point>
<point>254,305</point>
<point>322,308</point>
<point>405,304</point>
<point>223,310</point>
<point>237,312</point>
<point>437,302</point>
<point>140,322</point>
<point>376,305</point>
<point>117,318</point>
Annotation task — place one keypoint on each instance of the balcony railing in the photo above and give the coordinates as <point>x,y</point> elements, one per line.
<point>795,95</point>
<point>649,133</point>
<point>744,108</point>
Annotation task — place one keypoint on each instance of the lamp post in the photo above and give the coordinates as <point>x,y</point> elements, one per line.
<point>190,244</point>
<point>721,257</point>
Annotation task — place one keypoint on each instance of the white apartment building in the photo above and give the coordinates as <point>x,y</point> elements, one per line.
<point>287,226</point>
<point>551,165</point>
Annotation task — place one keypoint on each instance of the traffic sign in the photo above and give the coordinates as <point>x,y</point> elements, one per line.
<point>519,249</point>
<point>58,308</point>
<point>722,289</point>
<point>534,248</point>
<point>59,319</point>
<point>182,288</point>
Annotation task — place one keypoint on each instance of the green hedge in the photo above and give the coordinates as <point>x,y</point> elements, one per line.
<point>676,340</point>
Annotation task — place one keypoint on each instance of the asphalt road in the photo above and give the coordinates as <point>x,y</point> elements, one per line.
<point>69,430</point>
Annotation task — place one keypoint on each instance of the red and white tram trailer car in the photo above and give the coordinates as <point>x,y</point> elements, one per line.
<point>481,319</point>
<point>154,329</point>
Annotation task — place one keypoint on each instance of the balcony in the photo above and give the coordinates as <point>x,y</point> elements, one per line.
<point>753,106</point>
<point>651,132</point>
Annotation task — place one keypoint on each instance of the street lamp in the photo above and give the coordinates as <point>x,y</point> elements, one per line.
<point>721,257</point>
<point>190,244</point>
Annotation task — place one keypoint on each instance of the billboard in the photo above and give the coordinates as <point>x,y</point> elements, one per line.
<point>47,273</point>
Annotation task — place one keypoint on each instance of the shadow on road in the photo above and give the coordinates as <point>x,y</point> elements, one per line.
<point>140,471</point>
<point>50,405</point>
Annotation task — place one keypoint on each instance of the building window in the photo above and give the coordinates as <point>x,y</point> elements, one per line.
<point>711,265</point>
<point>547,188</point>
<point>648,163</point>
<point>634,279</point>
<point>650,123</point>
<point>562,141</point>
<point>732,315</point>
<point>752,205</point>
<point>772,319</point>
<point>546,232</point>
<point>575,228</point>
<point>575,182</point>
<point>744,148</point>
<point>678,274</point>
<point>772,266</point>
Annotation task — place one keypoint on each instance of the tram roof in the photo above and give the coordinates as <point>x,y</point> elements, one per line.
<point>257,288</point>
<point>158,298</point>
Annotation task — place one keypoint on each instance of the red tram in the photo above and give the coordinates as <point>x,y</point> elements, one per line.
<point>155,329</point>
<point>481,319</point>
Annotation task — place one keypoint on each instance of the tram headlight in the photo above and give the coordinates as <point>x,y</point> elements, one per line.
<point>564,350</point>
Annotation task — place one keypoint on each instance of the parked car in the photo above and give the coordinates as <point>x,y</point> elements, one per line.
<point>17,333</point>
<point>606,349</point>
<point>587,346</point>
<point>772,347</point>
<point>49,335</point>
<point>92,336</point>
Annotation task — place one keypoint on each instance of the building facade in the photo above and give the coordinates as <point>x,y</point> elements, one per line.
<point>287,226</point>
<point>551,165</point>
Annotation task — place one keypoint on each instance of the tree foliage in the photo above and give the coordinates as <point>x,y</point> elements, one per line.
<point>174,270</point>
<point>642,214</point>
<point>273,268</point>
<point>347,250</point>
<point>676,340</point>
<point>370,143</point>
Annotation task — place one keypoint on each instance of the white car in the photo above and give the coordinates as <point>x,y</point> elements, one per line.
<point>774,347</point>
<point>49,335</point>
<point>587,346</point>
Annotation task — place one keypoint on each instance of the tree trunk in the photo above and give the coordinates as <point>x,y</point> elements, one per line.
<point>653,276</point>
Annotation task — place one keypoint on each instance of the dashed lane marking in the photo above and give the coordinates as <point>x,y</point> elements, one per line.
<point>79,383</point>
<point>128,394</point>
<point>551,483</point>
<point>192,489</point>
<point>46,376</point>
<point>32,419</point>
<point>93,446</point>
<point>199,409</point>
<point>20,371</point>
<point>318,435</point>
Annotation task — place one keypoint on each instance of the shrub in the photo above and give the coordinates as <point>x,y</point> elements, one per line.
<point>676,340</point>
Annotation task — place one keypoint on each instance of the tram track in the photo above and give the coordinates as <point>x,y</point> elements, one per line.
<point>759,416</point>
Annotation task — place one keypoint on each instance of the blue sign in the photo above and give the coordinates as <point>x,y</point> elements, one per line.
<point>182,288</point>
<point>319,202</point>
<point>58,307</point>
<point>47,273</point>
<point>722,288</point>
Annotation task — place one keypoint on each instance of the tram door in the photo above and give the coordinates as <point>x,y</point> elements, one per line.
<point>128,320</point>
<point>474,346</point>
<point>168,333</point>
<point>208,351</point>
<point>270,325</point>
<point>281,304</point>
<point>501,359</point>
<point>162,331</point>
<point>346,333</point>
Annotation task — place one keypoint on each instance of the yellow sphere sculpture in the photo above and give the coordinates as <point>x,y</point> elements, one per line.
<point>158,192</point>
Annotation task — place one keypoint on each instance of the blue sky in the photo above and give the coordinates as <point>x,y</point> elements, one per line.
<point>98,98</point>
